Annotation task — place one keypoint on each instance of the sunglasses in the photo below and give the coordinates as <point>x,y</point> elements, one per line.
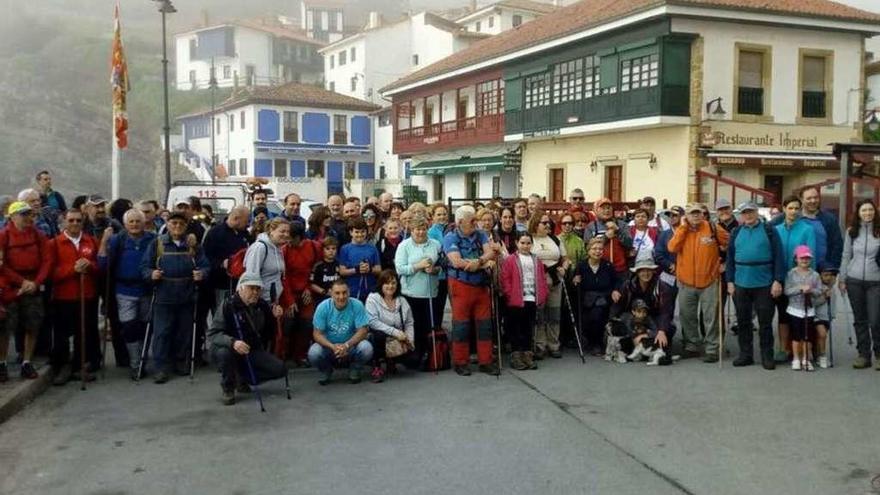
<point>567,223</point>
<point>74,220</point>
<point>369,215</point>
<point>577,199</point>
<point>542,222</point>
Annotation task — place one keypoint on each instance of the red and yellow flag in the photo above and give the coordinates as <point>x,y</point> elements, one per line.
<point>119,84</point>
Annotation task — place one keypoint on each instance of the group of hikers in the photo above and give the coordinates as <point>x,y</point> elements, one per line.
<point>365,287</point>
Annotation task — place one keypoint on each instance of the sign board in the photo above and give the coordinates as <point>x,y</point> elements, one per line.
<point>734,161</point>
<point>773,137</point>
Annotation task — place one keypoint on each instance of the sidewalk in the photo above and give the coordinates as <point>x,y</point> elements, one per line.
<point>18,393</point>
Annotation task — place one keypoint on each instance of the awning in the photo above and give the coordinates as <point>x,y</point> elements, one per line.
<point>460,166</point>
<point>792,161</point>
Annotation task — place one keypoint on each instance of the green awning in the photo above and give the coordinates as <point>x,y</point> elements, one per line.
<point>459,166</point>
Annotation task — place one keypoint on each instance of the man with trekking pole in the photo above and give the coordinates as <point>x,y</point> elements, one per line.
<point>74,257</point>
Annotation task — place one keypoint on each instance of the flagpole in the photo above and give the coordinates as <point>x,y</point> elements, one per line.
<point>114,162</point>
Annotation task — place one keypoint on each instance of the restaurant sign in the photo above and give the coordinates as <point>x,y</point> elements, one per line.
<point>794,163</point>
<point>773,138</point>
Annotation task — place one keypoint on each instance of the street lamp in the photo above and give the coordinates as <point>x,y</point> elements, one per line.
<point>166,7</point>
<point>718,113</point>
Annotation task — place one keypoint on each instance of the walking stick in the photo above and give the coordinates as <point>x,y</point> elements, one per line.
<point>493,306</point>
<point>82,330</point>
<point>247,359</point>
<point>721,326</point>
<point>574,324</point>
<point>433,331</point>
<point>192,356</point>
<point>828,331</point>
<point>106,331</point>
<point>807,304</point>
<point>146,339</point>
<point>280,346</point>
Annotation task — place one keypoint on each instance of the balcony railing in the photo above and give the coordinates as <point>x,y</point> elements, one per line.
<point>751,101</point>
<point>813,104</point>
<point>466,131</point>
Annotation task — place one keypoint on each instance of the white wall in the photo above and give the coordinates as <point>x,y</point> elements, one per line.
<point>340,75</point>
<point>254,48</point>
<point>388,57</point>
<point>719,52</point>
<point>383,138</point>
<point>429,42</point>
<point>503,20</point>
<point>873,90</point>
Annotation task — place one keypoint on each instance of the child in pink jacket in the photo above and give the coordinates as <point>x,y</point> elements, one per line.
<point>524,286</point>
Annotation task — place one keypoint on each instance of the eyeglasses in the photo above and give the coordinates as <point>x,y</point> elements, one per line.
<point>567,223</point>
<point>74,220</point>
<point>369,215</point>
<point>575,198</point>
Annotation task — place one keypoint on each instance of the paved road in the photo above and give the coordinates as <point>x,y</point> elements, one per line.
<point>567,428</point>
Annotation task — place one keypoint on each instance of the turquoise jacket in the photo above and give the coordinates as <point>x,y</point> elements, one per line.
<point>416,283</point>
<point>791,236</point>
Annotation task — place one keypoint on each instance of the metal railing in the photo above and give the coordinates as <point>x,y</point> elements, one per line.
<point>751,101</point>
<point>813,104</point>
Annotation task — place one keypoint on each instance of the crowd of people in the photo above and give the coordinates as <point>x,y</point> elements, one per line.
<point>365,287</point>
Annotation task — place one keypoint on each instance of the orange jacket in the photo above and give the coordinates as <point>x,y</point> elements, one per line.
<point>698,256</point>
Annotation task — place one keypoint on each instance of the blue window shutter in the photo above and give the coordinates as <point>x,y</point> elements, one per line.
<point>297,168</point>
<point>366,170</point>
<point>316,128</point>
<point>268,125</point>
<point>360,130</point>
<point>263,167</point>
<point>334,171</point>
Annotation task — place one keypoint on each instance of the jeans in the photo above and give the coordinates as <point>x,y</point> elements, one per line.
<point>864,297</point>
<point>757,299</point>
<point>323,358</point>
<point>265,365</point>
<point>692,300</point>
<point>172,336</point>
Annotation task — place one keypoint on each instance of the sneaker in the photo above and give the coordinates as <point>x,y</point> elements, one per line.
<point>517,362</point>
<point>4,373</point>
<point>490,369</point>
<point>28,372</point>
<point>781,356</point>
<point>228,397</point>
<point>808,365</point>
<point>743,361</point>
<point>325,378</point>
<point>796,364</point>
<point>354,376</point>
<point>463,370</point>
<point>861,363</point>
<point>557,354</point>
<point>377,375</point>
<point>823,361</point>
<point>529,360</point>
<point>62,377</point>
<point>710,358</point>
<point>161,377</point>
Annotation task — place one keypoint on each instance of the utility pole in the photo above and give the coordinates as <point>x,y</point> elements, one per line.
<point>165,7</point>
<point>212,83</point>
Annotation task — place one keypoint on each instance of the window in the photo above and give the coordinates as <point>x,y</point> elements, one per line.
<point>250,75</point>
<point>342,57</point>
<point>332,61</point>
<point>339,22</point>
<point>280,168</point>
<point>217,131</point>
<point>291,127</point>
<point>354,84</point>
<point>241,120</point>
<point>332,86</point>
<point>491,21</point>
<point>479,26</point>
<point>385,119</point>
<point>642,72</point>
<point>227,72</point>
<point>439,187</point>
<point>353,55</point>
<point>192,77</point>
<point>591,76</point>
<point>472,185</point>
<point>614,182</point>
<point>517,20</point>
<point>415,59</point>
<point>537,90</point>
<point>315,169</point>
<point>231,170</point>
<point>750,82</point>
<point>340,129</point>
<point>489,97</point>
<point>568,81</point>
<point>350,170</point>
<point>231,122</point>
<point>242,166</point>
<point>325,20</point>
<point>310,20</point>
<point>813,86</point>
<point>557,184</point>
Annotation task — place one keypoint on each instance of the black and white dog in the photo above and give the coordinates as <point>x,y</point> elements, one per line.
<point>617,340</point>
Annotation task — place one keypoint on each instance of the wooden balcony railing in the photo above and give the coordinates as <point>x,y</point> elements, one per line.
<point>468,131</point>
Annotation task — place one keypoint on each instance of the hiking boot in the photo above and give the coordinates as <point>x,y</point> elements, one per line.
<point>228,397</point>
<point>782,357</point>
<point>463,370</point>
<point>325,378</point>
<point>161,377</point>
<point>556,354</point>
<point>823,361</point>
<point>528,359</point>
<point>490,369</point>
<point>743,361</point>
<point>796,365</point>
<point>690,353</point>
<point>539,355</point>
<point>768,364</point>
<point>516,361</point>
<point>354,376</point>
<point>133,374</point>
<point>62,377</point>
<point>4,373</point>
<point>28,372</point>
<point>877,364</point>
<point>710,358</point>
<point>861,363</point>
<point>377,375</point>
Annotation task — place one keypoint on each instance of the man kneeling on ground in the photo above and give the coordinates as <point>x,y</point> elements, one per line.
<point>241,331</point>
<point>340,331</point>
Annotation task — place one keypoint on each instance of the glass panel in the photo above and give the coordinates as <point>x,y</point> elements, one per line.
<point>751,69</point>
<point>814,74</point>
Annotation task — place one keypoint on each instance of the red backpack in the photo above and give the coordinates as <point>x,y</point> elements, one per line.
<point>235,266</point>
<point>437,356</point>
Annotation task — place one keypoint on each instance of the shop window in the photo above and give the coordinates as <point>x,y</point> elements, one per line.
<point>642,72</point>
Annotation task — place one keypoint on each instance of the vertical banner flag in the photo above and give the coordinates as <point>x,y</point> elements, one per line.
<point>119,84</point>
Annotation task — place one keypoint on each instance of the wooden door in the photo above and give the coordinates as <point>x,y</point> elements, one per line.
<point>775,184</point>
<point>557,184</point>
<point>614,183</point>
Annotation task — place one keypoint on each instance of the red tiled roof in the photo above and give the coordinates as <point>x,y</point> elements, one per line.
<point>590,13</point>
<point>280,31</point>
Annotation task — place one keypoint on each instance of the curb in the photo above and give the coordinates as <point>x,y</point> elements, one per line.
<point>20,395</point>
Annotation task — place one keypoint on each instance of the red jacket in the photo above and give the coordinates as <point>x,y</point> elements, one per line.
<point>298,264</point>
<point>25,255</point>
<point>511,282</point>
<point>64,256</point>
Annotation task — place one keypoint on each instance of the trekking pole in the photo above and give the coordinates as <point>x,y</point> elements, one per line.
<point>433,331</point>
<point>493,305</point>
<point>106,331</point>
<point>192,357</point>
<point>574,324</point>
<point>146,339</point>
<point>846,319</point>
<point>247,359</point>
<point>828,334</point>
<point>721,326</point>
<point>82,330</point>
<point>281,350</point>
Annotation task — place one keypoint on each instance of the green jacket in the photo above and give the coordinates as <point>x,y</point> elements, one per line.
<point>574,249</point>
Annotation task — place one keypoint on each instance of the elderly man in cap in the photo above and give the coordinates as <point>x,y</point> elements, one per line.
<point>698,246</point>
<point>615,232</point>
<point>756,270</point>
<point>241,330</point>
<point>26,263</point>
<point>649,204</point>
<point>97,221</point>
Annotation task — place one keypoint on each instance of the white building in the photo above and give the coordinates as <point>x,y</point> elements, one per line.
<point>300,137</point>
<point>503,15</point>
<point>246,52</point>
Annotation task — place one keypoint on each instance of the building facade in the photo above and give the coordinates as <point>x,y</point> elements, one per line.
<point>300,137</point>
<point>246,53</point>
<point>503,15</point>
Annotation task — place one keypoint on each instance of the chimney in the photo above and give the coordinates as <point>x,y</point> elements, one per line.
<point>205,21</point>
<point>375,20</point>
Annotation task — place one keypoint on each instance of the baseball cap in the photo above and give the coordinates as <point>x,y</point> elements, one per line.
<point>176,215</point>
<point>803,251</point>
<point>180,202</point>
<point>18,207</point>
<point>678,209</point>
<point>96,199</point>
<point>648,200</point>
<point>250,280</point>
<point>639,304</point>
<point>691,207</point>
<point>723,203</point>
<point>747,205</point>
<point>643,264</point>
<point>601,202</point>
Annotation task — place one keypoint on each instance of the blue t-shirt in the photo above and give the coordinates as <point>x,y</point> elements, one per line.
<point>821,251</point>
<point>340,325</point>
<point>350,256</point>
<point>469,248</point>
